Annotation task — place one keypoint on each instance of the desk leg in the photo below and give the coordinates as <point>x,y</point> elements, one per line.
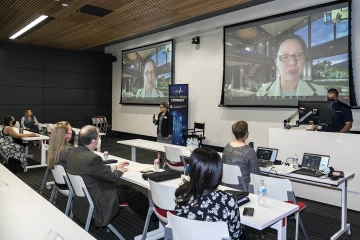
<point>133,154</point>
<point>345,227</point>
<point>280,226</point>
<point>43,156</point>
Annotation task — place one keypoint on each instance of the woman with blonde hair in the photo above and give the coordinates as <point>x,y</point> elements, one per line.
<point>59,146</point>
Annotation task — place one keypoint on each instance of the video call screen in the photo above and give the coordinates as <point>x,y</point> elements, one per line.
<point>147,73</point>
<point>281,60</point>
<point>314,161</point>
<point>266,154</point>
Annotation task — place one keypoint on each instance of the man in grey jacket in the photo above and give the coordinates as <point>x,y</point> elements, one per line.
<point>100,182</point>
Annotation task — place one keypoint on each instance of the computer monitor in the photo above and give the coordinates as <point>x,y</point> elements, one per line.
<point>322,113</point>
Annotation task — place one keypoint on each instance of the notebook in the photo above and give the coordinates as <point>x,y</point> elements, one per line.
<point>266,156</point>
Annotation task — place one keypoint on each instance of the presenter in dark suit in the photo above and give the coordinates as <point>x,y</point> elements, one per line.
<point>165,125</point>
<point>100,182</point>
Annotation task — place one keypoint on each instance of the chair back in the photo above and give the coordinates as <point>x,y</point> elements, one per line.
<point>78,185</point>
<point>231,174</point>
<point>17,124</point>
<point>200,126</point>
<point>173,154</point>
<point>60,177</point>
<point>162,195</point>
<point>276,188</point>
<point>49,127</point>
<point>93,121</point>
<point>183,228</point>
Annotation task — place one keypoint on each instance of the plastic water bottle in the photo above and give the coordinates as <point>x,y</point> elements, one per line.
<point>188,144</point>
<point>262,193</point>
<point>191,144</point>
<point>295,161</point>
<point>196,143</point>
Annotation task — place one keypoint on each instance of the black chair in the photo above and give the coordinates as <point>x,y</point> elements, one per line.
<point>197,132</point>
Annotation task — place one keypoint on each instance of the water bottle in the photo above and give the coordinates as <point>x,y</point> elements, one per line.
<point>295,161</point>
<point>196,143</point>
<point>262,193</point>
<point>191,144</point>
<point>188,144</point>
<point>21,130</point>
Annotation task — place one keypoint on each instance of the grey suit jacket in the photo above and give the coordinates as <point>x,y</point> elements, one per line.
<point>100,182</point>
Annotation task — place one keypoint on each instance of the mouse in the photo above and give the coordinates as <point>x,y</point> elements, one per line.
<point>334,178</point>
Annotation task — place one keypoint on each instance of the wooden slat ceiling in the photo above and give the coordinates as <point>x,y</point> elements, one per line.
<point>78,31</point>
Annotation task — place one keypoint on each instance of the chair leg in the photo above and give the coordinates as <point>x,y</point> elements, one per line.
<point>52,194</point>
<point>303,228</point>
<point>44,181</point>
<point>56,194</point>
<point>146,226</point>
<point>297,225</point>
<point>168,233</point>
<point>68,204</point>
<point>117,234</point>
<point>71,215</point>
<point>88,220</point>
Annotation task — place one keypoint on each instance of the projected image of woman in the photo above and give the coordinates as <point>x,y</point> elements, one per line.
<point>290,55</point>
<point>149,79</point>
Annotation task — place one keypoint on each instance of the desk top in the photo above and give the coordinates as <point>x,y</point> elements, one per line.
<point>155,146</point>
<point>263,216</point>
<point>308,179</point>
<point>38,136</point>
<point>25,214</point>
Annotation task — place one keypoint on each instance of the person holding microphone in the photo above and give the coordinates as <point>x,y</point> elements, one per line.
<point>165,125</point>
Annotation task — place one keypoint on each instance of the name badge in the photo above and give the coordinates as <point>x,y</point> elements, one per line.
<point>165,117</point>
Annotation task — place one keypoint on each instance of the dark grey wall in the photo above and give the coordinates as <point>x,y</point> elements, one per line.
<point>56,84</point>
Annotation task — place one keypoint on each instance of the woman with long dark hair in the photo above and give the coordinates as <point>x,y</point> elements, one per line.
<point>200,199</point>
<point>7,145</point>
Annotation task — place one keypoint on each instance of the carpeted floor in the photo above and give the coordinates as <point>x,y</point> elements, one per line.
<point>321,220</point>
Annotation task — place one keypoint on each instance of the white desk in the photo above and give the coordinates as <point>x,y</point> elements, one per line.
<point>38,137</point>
<point>327,183</point>
<point>270,216</point>
<point>152,146</point>
<point>24,214</point>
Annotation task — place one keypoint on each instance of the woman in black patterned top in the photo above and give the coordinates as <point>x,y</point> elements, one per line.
<point>199,198</point>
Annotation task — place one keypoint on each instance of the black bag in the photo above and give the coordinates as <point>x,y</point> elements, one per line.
<point>162,176</point>
<point>14,165</point>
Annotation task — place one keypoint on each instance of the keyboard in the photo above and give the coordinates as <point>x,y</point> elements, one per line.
<point>265,164</point>
<point>307,172</point>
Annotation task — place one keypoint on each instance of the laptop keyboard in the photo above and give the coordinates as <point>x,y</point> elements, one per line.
<point>265,164</point>
<point>308,172</point>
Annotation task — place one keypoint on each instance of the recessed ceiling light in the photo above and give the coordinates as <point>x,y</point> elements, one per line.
<point>29,26</point>
<point>65,4</point>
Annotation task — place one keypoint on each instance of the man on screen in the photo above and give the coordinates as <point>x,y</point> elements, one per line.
<point>149,73</point>
<point>290,55</point>
<point>343,114</point>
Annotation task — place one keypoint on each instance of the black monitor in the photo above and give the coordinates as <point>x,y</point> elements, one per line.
<point>317,112</point>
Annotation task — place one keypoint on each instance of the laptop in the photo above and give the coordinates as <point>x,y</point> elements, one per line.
<point>266,156</point>
<point>312,163</point>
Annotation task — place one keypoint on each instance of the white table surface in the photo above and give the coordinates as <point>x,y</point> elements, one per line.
<point>37,138</point>
<point>263,216</point>
<point>24,214</point>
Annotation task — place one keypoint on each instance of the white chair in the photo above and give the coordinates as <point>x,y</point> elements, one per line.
<point>81,191</point>
<point>231,174</point>
<point>61,185</point>
<point>17,124</point>
<point>102,124</point>
<point>108,127</point>
<point>161,201</point>
<point>49,128</point>
<point>174,158</point>
<point>280,189</point>
<point>183,228</point>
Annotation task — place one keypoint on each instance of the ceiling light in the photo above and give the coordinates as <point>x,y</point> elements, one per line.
<point>29,26</point>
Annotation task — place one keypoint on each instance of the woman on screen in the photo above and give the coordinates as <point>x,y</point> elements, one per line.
<point>149,78</point>
<point>290,55</point>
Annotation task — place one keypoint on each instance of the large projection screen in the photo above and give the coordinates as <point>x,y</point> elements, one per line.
<point>297,56</point>
<point>147,73</point>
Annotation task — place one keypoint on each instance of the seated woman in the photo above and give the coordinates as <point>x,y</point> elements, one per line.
<point>199,198</point>
<point>239,153</point>
<point>29,122</point>
<point>59,146</point>
<point>7,145</point>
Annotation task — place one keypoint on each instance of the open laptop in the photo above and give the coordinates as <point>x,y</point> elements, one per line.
<point>266,156</point>
<point>312,163</point>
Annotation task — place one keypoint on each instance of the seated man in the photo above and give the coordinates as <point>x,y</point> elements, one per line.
<point>100,182</point>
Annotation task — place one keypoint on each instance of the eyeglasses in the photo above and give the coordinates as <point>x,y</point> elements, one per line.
<point>296,56</point>
<point>148,73</point>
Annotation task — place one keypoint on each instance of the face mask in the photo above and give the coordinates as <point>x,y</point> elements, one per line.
<point>331,100</point>
<point>13,122</point>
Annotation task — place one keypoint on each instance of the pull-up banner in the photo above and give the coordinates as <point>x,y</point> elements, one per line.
<point>179,109</point>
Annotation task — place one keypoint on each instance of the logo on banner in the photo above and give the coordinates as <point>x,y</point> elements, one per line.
<point>177,91</point>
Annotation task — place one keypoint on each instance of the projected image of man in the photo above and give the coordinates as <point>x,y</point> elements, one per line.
<point>290,55</point>
<point>149,74</point>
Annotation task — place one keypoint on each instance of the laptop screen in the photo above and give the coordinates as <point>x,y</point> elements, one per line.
<point>266,154</point>
<point>314,161</point>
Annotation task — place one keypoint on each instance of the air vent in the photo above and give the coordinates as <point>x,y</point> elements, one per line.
<point>93,10</point>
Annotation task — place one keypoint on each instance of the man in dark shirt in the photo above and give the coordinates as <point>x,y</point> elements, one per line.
<point>343,114</point>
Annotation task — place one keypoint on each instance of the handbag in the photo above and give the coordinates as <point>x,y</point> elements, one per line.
<point>14,165</point>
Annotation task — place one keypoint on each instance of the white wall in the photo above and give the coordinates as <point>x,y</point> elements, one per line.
<point>202,68</point>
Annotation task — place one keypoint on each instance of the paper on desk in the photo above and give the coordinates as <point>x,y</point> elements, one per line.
<point>140,167</point>
<point>284,169</point>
